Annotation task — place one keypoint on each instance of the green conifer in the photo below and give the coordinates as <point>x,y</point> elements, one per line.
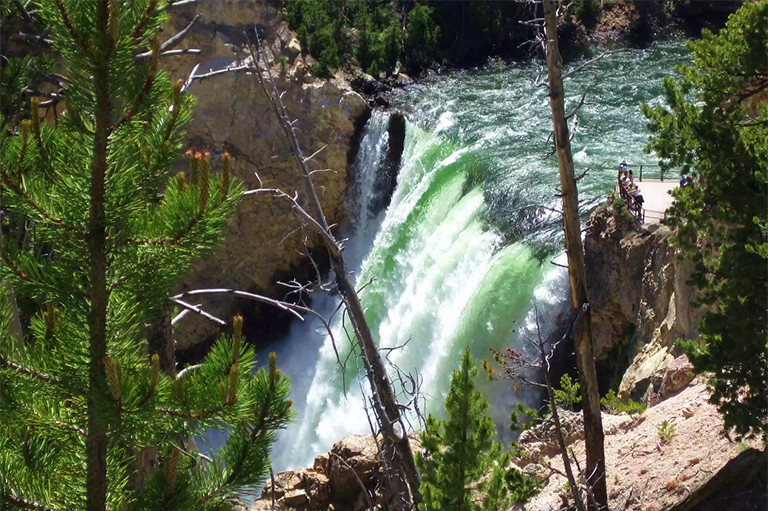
<point>716,127</point>
<point>459,451</point>
<point>106,236</point>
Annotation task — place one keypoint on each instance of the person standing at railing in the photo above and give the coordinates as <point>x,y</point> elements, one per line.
<point>683,181</point>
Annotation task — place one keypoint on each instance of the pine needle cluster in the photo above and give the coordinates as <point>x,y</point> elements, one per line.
<point>96,234</point>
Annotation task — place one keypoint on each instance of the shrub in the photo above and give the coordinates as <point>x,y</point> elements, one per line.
<point>666,431</point>
<point>524,418</point>
<point>585,8</point>
<point>521,485</point>
<point>568,394</point>
<point>373,69</point>
<point>323,28</point>
<point>613,405</point>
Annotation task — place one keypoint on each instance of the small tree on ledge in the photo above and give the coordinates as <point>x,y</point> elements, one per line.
<point>460,450</point>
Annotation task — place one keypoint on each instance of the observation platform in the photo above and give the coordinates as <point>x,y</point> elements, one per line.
<point>656,190</point>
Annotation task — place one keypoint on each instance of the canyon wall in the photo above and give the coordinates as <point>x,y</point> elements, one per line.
<point>641,302</point>
<point>262,243</point>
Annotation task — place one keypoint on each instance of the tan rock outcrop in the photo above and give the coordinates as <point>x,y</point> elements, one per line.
<point>233,114</point>
<point>335,482</point>
<point>641,302</point>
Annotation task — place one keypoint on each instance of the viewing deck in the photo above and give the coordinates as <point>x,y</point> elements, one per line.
<point>656,190</point>
<point>657,199</point>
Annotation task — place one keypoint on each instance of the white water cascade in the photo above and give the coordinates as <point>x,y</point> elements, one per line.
<point>438,273</point>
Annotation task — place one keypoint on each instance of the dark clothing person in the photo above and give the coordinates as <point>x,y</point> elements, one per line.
<point>683,182</point>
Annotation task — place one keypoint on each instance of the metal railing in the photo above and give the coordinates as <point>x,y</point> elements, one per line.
<point>649,172</point>
<point>652,173</point>
<point>633,206</point>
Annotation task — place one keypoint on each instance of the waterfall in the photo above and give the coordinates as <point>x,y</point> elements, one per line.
<point>446,263</point>
<point>437,279</point>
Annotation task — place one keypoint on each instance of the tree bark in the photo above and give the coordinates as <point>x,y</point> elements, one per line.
<point>595,469</point>
<point>96,439</point>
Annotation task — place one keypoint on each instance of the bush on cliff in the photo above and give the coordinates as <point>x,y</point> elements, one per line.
<point>716,128</point>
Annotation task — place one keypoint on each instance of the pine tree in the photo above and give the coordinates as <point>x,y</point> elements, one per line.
<point>716,127</point>
<point>459,451</point>
<point>83,394</point>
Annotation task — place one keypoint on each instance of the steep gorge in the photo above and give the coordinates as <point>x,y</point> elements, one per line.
<point>233,114</point>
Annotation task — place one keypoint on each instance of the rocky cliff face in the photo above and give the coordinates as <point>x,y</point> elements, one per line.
<point>232,114</point>
<point>641,302</point>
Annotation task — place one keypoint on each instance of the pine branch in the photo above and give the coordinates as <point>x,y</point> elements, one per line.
<point>145,16</point>
<point>18,189</point>
<point>72,32</point>
<point>198,416</point>
<point>39,376</point>
<point>27,372</point>
<point>22,503</point>
<point>15,269</point>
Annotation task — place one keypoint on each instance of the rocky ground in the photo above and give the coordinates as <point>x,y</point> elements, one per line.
<point>345,478</point>
<point>646,472</point>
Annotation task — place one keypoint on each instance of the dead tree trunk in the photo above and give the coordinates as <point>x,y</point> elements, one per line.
<point>585,361</point>
<point>544,361</point>
<point>396,445</point>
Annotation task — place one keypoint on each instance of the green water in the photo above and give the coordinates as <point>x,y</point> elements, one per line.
<point>453,260</point>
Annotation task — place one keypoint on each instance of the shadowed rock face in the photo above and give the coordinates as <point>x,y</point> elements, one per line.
<point>233,114</point>
<point>641,302</point>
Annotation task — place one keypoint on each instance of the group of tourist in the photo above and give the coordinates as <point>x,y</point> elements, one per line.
<point>627,182</point>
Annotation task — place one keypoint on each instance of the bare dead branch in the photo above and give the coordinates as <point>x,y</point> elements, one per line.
<point>580,176</point>
<point>190,79</point>
<point>581,103</point>
<point>588,63</point>
<point>180,3</point>
<point>197,310</point>
<point>176,39</point>
<point>211,74</point>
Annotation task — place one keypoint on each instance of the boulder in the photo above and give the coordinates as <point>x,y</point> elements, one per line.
<point>318,489</point>
<point>321,463</point>
<point>673,377</point>
<point>293,47</point>
<point>542,439</point>
<point>295,498</point>
<point>360,458</point>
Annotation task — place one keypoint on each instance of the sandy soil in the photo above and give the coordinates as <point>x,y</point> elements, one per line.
<point>646,473</point>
